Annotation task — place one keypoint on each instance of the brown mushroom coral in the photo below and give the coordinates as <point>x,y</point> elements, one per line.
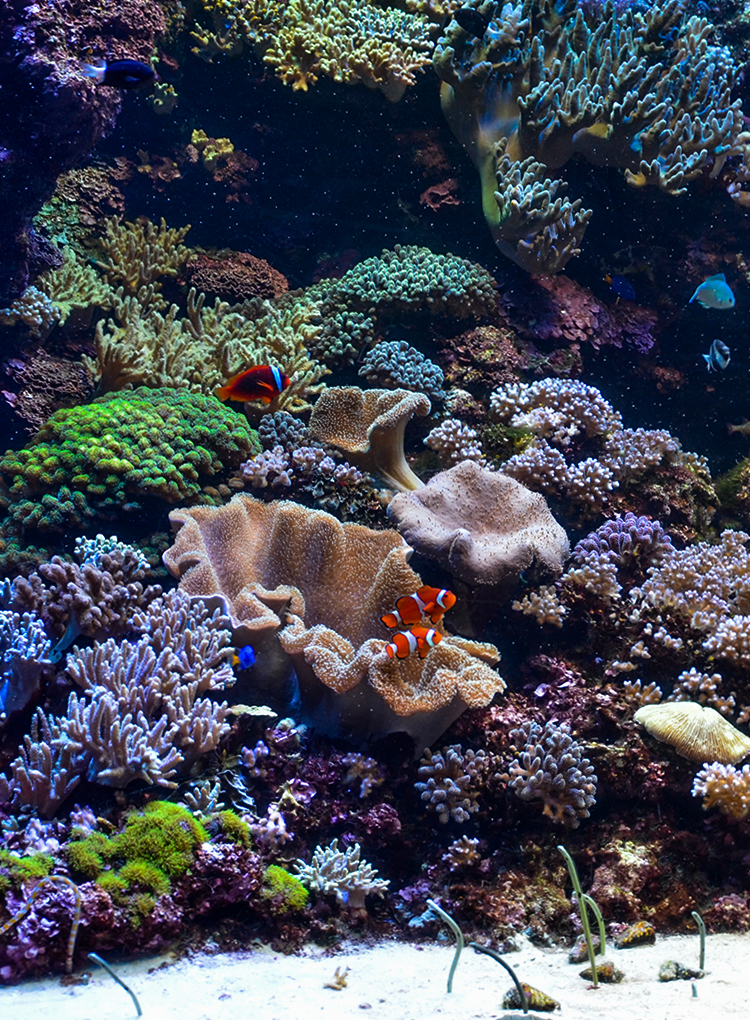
<point>301,578</point>
<point>369,426</point>
<point>483,526</point>
<point>695,731</point>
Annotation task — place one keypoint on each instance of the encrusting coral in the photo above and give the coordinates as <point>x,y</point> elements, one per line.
<point>368,427</point>
<point>641,90</point>
<point>481,525</point>
<point>321,587</point>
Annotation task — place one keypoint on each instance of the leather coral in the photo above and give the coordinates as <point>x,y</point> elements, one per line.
<point>300,578</point>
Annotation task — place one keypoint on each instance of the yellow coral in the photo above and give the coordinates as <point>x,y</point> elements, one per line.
<point>137,254</point>
<point>74,285</point>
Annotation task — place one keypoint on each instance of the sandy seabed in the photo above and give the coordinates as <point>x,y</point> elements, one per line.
<point>396,981</point>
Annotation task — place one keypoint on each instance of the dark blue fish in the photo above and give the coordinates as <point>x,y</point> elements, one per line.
<point>244,658</point>
<point>121,74</point>
<point>472,21</point>
<point>621,286</point>
<point>718,356</point>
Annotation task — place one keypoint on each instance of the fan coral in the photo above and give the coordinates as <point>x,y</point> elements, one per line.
<point>448,782</point>
<point>643,91</point>
<point>320,587</point>
<point>549,766</point>
<point>368,426</point>
<point>342,872</point>
<point>396,365</point>
<point>724,787</point>
<point>101,457</point>
<point>695,731</point>
<point>481,525</point>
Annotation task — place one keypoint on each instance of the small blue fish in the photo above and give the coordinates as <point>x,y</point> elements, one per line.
<point>718,356</point>
<point>120,74</point>
<point>621,286</point>
<point>244,658</point>
<point>714,292</point>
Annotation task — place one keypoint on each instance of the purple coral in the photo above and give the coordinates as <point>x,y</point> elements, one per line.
<point>624,542</point>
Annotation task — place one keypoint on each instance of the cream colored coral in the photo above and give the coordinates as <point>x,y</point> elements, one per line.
<point>543,605</point>
<point>724,787</point>
<point>695,731</point>
<point>454,441</point>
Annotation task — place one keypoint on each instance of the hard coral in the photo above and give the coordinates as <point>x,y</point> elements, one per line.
<point>529,94</point>
<point>482,526</point>
<point>236,277</point>
<point>321,587</point>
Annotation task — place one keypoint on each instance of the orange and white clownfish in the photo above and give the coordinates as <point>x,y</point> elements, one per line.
<point>427,601</point>
<point>418,639</point>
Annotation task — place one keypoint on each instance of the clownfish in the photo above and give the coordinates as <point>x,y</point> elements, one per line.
<point>244,658</point>
<point>430,602</point>
<point>418,639</point>
<point>264,383</point>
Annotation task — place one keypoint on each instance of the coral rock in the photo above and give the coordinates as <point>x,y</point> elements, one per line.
<point>481,525</point>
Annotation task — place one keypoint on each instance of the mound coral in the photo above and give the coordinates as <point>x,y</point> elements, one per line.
<point>482,526</point>
<point>320,588</point>
<point>105,456</point>
<point>546,81</point>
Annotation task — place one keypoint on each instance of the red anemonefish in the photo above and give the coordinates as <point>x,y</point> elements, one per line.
<point>264,383</point>
<point>430,602</point>
<point>418,639</point>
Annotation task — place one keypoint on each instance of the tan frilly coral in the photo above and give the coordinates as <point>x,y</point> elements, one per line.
<point>319,587</point>
<point>695,731</point>
<point>483,526</point>
<point>369,426</point>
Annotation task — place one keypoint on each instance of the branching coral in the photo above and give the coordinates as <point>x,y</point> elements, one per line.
<point>137,255</point>
<point>103,456</point>
<point>24,651</point>
<point>396,365</point>
<point>448,783</point>
<point>724,787</point>
<point>549,766</point>
<point>640,90</point>
<point>321,587</point>
<point>455,442</point>
<point>342,872</point>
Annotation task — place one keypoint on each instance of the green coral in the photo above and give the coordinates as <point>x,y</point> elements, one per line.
<point>233,828</point>
<point>286,893</point>
<point>16,871</point>
<point>101,457</point>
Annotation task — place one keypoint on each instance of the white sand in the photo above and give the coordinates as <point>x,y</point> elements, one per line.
<point>396,982</point>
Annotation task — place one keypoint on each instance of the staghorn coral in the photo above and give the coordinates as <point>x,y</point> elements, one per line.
<point>349,41</point>
<point>320,588</point>
<point>395,365</point>
<point>549,766</point>
<point>448,779</point>
<point>368,427</point>
<point>640,90</point>
<point>25,650</point>
<point>482,526</point>
<point>724,787</point>
<point>342,872</point>
<point>103,456</point>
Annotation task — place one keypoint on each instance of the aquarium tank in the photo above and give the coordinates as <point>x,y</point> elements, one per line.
<point>375,476</point>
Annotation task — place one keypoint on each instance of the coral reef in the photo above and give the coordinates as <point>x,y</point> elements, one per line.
<point>645,92</point>
<point>482,526</point>
<point>328,619</point>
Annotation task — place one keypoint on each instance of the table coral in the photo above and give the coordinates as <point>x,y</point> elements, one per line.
<point>368,427</point>
<point>641,90</point>
<point>482,526</point>
<point>321,587</point>
<point>120,449</point>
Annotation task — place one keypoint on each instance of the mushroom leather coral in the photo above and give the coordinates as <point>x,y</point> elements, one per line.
<point>369,426</point>
<point>321,586</point>
<point>483,526</point>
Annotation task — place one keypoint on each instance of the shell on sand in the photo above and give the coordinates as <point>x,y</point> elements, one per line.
<point>695,731</point>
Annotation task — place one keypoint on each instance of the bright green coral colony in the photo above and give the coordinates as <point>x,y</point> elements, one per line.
<point>103,457</point>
